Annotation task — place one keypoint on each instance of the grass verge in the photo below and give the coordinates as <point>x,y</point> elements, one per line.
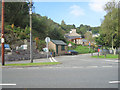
<point>33,64</point>
<point>110,56</point>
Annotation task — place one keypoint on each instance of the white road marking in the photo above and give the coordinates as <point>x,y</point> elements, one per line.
<point>7,84</point>
<point>112,60</point>
<point>107,66</point>
<point>51,60</point>
<point>114,82</point>
<point>54,60</point>
<point>91,66</point>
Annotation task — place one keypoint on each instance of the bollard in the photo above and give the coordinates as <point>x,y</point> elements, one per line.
<point>105,55</point>
<point>98,54</point>
<point>91,54</point>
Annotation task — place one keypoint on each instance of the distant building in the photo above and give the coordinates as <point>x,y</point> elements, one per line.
<point>96,35</point>
<point>58,46</point>
<point>74,37</point>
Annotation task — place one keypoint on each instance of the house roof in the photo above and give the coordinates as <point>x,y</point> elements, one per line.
<point>58,42</point>
<point>84,40</point>
<point>72,37</point>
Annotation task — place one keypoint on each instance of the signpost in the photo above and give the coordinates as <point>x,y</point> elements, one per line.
<point>47,40</point>
<point>70,45</point>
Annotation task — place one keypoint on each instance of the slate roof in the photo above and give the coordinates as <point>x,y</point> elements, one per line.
<point>58,42</point>
<point>72,37</point>
<point>84,40</point>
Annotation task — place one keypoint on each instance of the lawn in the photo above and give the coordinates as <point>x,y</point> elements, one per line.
<point>33,64</point>
<point>110,56</point>
<point>83,49</point>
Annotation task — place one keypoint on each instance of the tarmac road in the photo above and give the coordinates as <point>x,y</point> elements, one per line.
<point>79,71</point>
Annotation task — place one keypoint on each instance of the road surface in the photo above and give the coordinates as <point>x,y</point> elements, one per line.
<point>79,71</point>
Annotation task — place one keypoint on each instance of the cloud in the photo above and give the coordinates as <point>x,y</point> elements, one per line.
<point>76,10</point>
<point>97,5</point>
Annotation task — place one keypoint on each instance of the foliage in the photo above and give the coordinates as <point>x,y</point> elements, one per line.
<point>88,36</point>
<point>82,29</point>
<point>109,26</point>
<point>15,35</point>
<point>17,13</point>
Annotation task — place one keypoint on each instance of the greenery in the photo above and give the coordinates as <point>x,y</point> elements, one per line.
<point>33,64</point>
<point>110,56</point>
<point>83,49</point>
<point>109,26</point>
<point>82,29</point>
<point>17,26</point>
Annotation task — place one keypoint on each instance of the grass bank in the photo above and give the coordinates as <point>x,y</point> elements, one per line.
<point>34,64</point>
<point>110,56</point>
<point>83,49</point>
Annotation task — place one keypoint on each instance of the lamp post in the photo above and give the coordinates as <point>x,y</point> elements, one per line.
<point>31,42</point>
<point>2,33</point>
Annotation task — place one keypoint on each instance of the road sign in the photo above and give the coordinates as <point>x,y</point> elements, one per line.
<point>45,49</point>
<point>69,44</point>
<point>2,40</point>
<point>47,39</point>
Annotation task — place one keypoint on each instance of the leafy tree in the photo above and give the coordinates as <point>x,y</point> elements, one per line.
<point>89,37</point>
<point>17,13</point>
<point>109,27</point>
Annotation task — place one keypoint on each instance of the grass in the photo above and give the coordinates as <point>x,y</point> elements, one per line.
<point>33,64</point>
<point>83,49</point>
<point>110,56</point>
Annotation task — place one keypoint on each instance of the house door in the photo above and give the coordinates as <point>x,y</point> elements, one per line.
<point>56,49</point>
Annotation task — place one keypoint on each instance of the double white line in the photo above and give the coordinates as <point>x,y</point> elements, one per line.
<point>52,59</point>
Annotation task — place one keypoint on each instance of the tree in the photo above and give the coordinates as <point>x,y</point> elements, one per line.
<point>109,27</point>
<point>88,36</point>
<point>17,13</point>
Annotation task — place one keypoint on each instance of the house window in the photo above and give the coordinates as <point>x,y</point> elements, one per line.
<point>62,47</point>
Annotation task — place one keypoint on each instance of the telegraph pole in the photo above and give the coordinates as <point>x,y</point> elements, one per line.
<point>2,34</point>
<point>31,46</point>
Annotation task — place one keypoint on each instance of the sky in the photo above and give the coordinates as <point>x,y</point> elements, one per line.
<point>87,13</point>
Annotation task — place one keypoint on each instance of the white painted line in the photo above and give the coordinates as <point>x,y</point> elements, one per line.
<point>51,60</point>
<point>112,60</point>
<point>77,67</point>
<point>91,66</point>
<point>7,84</point>
<point>54,60</point>
<point>114,82</point>
<point>107,66</point>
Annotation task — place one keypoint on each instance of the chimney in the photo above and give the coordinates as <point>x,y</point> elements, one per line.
<point>70,31</point>
<point>73,30</point>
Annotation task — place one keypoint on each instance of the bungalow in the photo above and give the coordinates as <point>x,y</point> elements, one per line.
<point>74,37</point>
<point>58,46</point>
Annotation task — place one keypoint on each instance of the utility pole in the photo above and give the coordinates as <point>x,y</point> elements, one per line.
<point>31,42</point>
<point>2,33</point>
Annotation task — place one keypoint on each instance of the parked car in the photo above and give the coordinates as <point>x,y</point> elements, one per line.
<point>71,52</point>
